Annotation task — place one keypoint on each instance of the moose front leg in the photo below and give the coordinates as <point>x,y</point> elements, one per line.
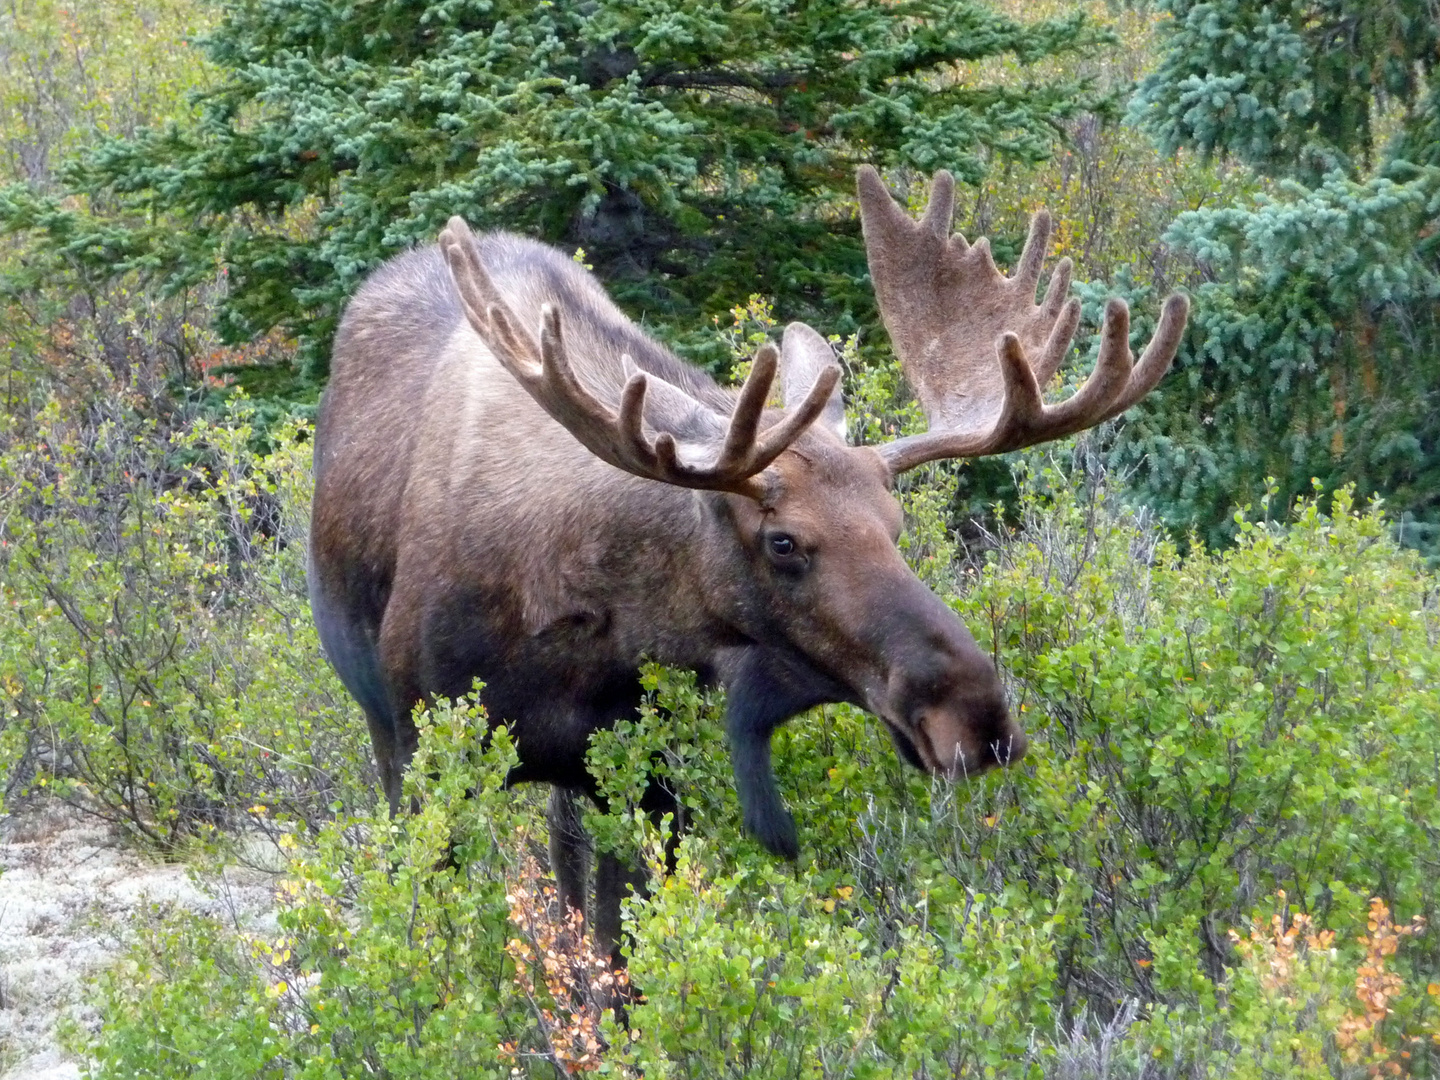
<point>763,691</point>
<point>569,847</point>
<point>570,862</point>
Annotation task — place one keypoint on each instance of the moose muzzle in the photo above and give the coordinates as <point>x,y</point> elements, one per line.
<point>943,700</point>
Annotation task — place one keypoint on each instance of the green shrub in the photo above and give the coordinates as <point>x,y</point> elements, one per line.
<point>1207,732</point>
<point>389,958</point>
<point>78,72</point>
<point>1218,727</point>
<point>157,660</point>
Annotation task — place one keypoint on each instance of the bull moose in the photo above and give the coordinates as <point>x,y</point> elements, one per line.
<point>513,482</point>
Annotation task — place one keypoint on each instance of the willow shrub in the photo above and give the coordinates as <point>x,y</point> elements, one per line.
<point>389,957</point>
<point>158,665</point>
<point>1208,733</point>
<point>1243,741</point>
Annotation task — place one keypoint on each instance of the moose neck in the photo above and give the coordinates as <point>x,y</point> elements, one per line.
<point>666,574</point>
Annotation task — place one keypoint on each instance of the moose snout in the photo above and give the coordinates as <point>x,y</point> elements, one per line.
<point>955,745</point>
<point>939,693</point>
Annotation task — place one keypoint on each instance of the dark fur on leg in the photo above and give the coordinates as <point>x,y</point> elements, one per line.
<point>569,847</point>
<point>763,691</point>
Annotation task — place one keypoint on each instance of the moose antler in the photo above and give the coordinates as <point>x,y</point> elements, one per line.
<point>544,369</point>
<point>951,315</point>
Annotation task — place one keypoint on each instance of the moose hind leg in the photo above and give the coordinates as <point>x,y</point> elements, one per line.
<point>615,879</point>
<point>350,647</point>
<point>569,847</point>
<point>570,859</point>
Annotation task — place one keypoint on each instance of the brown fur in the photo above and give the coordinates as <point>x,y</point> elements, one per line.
<point>459,531</point>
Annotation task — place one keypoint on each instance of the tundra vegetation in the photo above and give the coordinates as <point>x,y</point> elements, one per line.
<point>1219,857</point>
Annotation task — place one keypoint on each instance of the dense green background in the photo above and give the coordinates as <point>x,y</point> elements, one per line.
<point>702,154</point>
<point>1233,715</point>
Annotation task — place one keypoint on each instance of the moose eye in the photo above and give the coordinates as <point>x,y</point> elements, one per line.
<point>786,555</point>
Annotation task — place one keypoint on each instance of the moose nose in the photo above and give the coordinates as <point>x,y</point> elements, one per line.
<point>942,693</point>
<point>960,743</point>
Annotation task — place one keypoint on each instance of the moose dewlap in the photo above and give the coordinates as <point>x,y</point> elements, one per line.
<point>515,483</point>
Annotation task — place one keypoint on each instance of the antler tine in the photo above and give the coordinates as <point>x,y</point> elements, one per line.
<point>777,438</point>
<point>632,414</point>
<point>940,210</point>
<point>1057,345</point>
<point>485,309</point>
<point>545,370</point>
<point>952,315</point>
<point>742,447</point>
<point>569,395</point>
<point>1156,359</point>
<point>1032,259</point>
<point>749,407</point>
<point>743,454</point>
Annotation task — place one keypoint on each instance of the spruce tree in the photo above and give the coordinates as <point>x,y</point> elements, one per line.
<point>697,151</point>
<point>1292,88</point>
<point>1314,348</point>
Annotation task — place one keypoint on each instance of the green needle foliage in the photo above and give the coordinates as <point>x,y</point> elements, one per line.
<point>1314,354</point>
<point>698,152</point>
<point>1314,350</point>
<point>1291,88</point>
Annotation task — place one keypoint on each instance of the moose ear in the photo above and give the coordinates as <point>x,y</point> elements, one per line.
<point>804,354</point>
